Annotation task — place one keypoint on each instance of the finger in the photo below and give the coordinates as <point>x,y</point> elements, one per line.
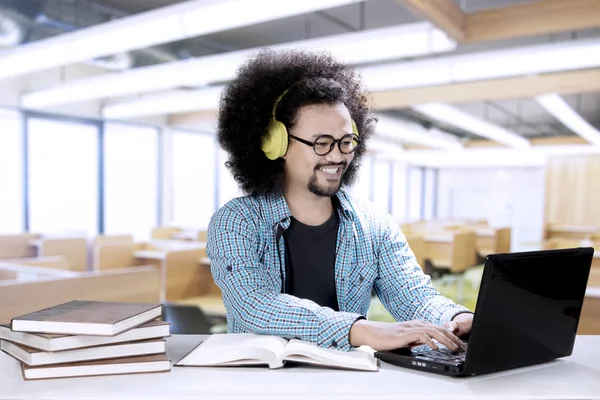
<point>455,339</point>
<point>450,330</point>
<point>445,337</point>
<point>423,338</point>
<point>454,343</point>
<point>453,334</point>
<point>452,326</point>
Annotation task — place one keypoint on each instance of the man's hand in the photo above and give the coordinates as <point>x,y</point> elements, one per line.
<point>461,324</point>
<point>394,335</point>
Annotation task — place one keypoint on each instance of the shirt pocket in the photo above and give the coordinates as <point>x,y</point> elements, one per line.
<point>361,278</point>
<point>269,259</point>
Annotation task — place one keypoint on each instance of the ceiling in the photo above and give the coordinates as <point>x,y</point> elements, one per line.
<point>525,117</point>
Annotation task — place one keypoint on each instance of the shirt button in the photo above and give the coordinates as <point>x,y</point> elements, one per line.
<point>229,269</point>
<point>362,278</point>
<point>334,344</point>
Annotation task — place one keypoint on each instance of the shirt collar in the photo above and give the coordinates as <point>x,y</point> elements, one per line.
<point>276,210</point>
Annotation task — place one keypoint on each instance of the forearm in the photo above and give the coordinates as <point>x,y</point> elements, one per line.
<point>417,299</point>
<point>438,309</point>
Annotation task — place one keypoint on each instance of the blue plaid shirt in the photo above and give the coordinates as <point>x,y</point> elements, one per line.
<point>246,250</point>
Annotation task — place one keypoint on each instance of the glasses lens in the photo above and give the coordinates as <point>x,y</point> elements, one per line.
<point>322,145</point>
<point>348,144</point>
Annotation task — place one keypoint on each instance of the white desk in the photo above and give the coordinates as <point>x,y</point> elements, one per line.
<point>575,377</point>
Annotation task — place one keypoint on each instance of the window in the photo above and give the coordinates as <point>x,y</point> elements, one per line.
<point>415,194</point>
<point>193,179</point>
<point>362,186</point>
<point>11,172</point>
<point>430,191</point>
<point>130,180</point>
<point>228,187</point>
<point>381,185</point>
<point>399,191</point>
<point>63,176</point>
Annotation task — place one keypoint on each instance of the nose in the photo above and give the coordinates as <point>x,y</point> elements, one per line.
<point>335,155</point>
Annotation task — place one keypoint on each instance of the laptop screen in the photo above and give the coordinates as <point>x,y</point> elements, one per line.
<point>528,307</point>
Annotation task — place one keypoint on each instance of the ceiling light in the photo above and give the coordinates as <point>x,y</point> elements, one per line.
<point>535,156</point>
<point>461,119</point>
<point>372,45</point>
<point>162,25</point>
<point>408,132</point>
<point>558,107</point>
<point>527,60</point>
<point>438,71</point>
<point>177,101</point>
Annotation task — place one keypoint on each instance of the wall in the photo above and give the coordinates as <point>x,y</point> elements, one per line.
<point>573,190</point>
<point>504,196</point>
<point>10,90</point>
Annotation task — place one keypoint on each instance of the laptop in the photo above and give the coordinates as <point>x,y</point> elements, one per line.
<point>527,313</point>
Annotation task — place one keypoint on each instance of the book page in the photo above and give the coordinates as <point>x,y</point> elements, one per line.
<point>236,349</point>
<point>360,359</point>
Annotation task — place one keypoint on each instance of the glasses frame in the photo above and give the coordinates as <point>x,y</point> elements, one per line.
<point>334,141</point>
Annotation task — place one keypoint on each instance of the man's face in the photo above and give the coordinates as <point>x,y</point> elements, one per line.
<point>306,170</point>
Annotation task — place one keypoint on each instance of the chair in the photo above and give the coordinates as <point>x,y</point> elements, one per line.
<point>186,320</point>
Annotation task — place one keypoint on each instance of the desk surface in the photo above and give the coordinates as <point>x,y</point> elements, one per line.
<point>573,377</point>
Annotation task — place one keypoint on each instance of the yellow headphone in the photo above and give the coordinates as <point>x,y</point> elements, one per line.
<point>275,141</point>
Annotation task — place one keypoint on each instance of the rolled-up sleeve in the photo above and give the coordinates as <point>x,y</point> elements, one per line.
<point>404,290</point>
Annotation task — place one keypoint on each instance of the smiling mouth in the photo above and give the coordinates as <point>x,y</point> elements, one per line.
<point>331,170</point>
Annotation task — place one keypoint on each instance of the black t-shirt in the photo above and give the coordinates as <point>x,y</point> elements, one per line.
<point>310,261</point>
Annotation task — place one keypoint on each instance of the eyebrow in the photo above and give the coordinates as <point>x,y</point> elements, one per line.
<point>329,134</point>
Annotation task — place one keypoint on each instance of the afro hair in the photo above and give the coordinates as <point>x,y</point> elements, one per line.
<point>246,108</point>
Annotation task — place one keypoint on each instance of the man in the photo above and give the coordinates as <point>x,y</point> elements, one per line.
<point>298,257</point>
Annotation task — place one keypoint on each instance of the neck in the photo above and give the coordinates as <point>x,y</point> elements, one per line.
<point>307,207</point>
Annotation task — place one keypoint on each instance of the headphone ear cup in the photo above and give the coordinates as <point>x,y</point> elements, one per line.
<point>275,142</point>
<point>354,128</point>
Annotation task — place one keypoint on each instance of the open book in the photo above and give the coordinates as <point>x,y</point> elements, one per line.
<point>239,349</point>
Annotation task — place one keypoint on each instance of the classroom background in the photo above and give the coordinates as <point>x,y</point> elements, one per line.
<point>488,138</point>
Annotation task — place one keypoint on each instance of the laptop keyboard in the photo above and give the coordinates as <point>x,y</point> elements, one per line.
<point>443,355</point>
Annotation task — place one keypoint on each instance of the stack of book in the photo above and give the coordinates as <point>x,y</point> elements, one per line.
<point>88,338</point>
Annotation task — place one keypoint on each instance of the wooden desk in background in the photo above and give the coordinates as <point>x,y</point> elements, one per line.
<point>589,323</point>
<point>571,377</point>
<point>455,250</point>
<point>72,249</point>
<point>571,231</point>
<point>596,259</point>
<point>181,274</point>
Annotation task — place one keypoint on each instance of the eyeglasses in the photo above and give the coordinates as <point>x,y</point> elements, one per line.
<point>324,145</point>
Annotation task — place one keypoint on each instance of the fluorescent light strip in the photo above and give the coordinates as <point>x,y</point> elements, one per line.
<point>352,48</point>
<point>527,60</point>
<point>558,107</point>
<point>493,157</point>
<point>408,132</point>
<point>163,25</point>
<point>446,70</point>
<point>382,145</point>
<point>461,119</point>
<point>167,102</point>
